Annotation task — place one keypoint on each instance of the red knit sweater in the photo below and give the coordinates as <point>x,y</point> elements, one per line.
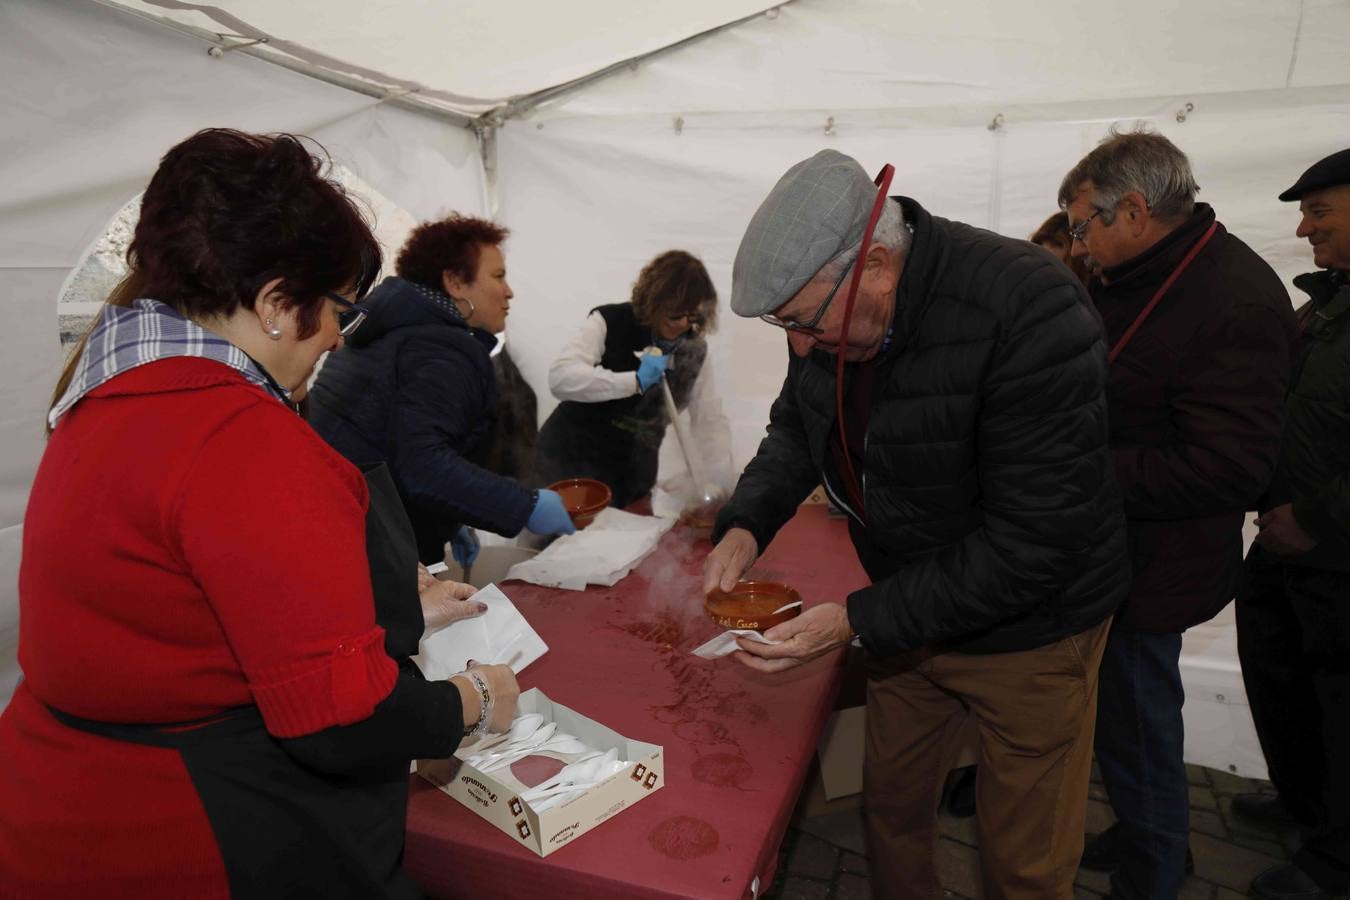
<point>190,545</point>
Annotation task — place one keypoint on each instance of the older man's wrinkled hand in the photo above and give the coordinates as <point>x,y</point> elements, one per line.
<point>816,631</point>
<point>727,562</point>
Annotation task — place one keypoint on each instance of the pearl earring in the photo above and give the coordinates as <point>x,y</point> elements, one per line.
<point>272,331</point>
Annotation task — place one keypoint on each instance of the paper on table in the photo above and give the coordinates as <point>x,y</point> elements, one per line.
<point>725,643</point>
<point>501,635</point>
<point>601,553</point>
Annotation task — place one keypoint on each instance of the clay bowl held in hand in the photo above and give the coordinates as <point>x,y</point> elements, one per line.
<point>583,498</point>
<point>752,605</point>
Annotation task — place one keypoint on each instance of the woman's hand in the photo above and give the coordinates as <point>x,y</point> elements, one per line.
<point>445,602</point>
<point>502,689</point>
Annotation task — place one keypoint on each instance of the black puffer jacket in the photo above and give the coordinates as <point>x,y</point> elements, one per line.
<point>1314,466</point>
<point>993,521</point>
<point>414,388</point>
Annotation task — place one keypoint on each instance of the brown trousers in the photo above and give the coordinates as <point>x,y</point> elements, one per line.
<point>1034,711</point>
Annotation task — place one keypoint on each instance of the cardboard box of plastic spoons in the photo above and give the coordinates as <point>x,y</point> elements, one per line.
<point>495,795</point>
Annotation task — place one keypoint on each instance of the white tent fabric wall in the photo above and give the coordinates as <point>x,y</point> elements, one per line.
<point>612,194</point>
<point>597,184</point>
<point>675,152</point>
<point>93,98</point>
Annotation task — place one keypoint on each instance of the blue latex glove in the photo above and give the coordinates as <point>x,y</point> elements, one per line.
<point>651,369</point>
<point>464,546</point>
<point>550,516</point>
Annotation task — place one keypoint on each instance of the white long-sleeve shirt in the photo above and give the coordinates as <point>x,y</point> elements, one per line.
<point>577,375</point>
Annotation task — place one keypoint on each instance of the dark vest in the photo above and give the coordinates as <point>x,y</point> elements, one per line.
<point>642,415</point>
<point>617,441</point>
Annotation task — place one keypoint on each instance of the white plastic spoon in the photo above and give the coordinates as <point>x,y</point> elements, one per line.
<point>540,736</point>
<point>522,727</point>
<point>601,769</point>
<point>563,743</point>
<point>583,769</point>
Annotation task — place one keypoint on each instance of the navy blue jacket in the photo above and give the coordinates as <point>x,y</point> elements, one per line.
<point>414,388</point>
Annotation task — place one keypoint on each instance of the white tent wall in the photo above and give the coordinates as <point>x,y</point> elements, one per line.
<point>591,197</point>
<point>675,152</point>
<point>92,98</point>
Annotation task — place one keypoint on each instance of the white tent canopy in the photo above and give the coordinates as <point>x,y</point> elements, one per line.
<point>603,133</point>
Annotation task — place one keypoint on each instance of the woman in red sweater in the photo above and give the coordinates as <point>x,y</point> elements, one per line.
<point>208,706</point>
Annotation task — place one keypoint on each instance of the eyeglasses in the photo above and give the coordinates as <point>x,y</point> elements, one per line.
<point>351,316</point>
<point>883,182</point>
<point>809,327</point>
<point>1077,232</point>
<point>693,318</point>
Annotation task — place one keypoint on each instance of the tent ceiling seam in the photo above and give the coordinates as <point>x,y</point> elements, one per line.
<point>1298,39</point>
<point>519,106</point>
<point>1013,114</point>
<point>318,65</point>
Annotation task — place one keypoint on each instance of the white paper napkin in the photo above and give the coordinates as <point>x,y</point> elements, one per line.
<point>602,553</point>
<point>501,635</point>
<point>725,643</point>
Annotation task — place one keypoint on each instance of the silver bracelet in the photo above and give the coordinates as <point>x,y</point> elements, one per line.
<point>485,705</point>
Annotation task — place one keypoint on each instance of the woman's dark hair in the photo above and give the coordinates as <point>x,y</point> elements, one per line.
<point>674,283</point>
<point>227,212</point>
<point>1055,230</point>
<point>450,245</point>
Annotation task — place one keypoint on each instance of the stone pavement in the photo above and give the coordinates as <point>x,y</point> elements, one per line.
<point>824,857</point>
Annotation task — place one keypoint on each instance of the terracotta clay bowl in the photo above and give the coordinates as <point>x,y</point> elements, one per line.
<point>751,605</point>
<point>583,498</point>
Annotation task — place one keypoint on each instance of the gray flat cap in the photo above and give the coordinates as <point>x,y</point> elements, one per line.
<point>816,210</point>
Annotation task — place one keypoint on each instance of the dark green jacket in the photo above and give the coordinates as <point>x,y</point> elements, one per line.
<point>992,518</point>
<point>1314,468</point>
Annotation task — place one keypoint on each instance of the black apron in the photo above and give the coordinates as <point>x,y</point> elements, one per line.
<point>283,830</point>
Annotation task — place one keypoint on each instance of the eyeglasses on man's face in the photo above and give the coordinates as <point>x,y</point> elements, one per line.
<point>809,327</point>
<point>351,316</point>
<point>1077,232</point>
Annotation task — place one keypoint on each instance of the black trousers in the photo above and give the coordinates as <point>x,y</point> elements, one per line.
<point>1294,643</point>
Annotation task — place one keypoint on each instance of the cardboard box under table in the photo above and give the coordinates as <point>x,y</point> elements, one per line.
<point>496,795</point>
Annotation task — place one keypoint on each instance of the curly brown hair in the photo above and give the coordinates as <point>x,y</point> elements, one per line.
<point>676,282</point>
<point>449,245</point>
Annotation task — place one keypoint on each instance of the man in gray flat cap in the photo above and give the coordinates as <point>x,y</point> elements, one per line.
<point>969,451</point>
<point>1293,617</point>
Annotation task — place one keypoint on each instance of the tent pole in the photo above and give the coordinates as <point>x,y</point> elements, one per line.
<point>400,96</point>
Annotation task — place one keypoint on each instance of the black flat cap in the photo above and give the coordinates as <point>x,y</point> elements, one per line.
<point>1324,173</point>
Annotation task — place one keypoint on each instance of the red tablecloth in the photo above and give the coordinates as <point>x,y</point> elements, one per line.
<point>737,743</point>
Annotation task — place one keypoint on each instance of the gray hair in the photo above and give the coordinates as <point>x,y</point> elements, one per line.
<point>1138,160</point>
<point>891,232</point>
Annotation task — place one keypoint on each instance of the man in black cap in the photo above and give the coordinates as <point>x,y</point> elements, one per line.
<point>971,457</point>
<point>1294,615</point>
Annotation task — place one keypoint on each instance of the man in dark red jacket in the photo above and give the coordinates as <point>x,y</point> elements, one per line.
<point>1201,332</point>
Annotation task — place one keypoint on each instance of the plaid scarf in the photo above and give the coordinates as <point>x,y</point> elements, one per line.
<point>125,337</point>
